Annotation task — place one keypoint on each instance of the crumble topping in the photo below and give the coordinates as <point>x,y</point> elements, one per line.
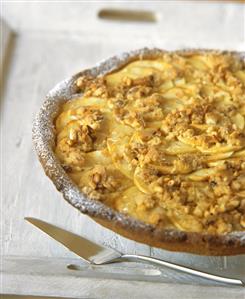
<point>162,140</point>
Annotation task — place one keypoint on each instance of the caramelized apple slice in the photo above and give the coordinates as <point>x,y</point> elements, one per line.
<point>64,133</point>
<point>117,147</point>
<point>198,63</point>
<point>119,157</point>
<point>186,222</point>
<point>241,75</point>
<point>126,203</point>
<point>238,120</point>
<point>202,174</point>
<point>97,158</point>
<point>168,84</point>
<point>76,103</point>
<point>158,65</point>
<point>139,181</point>
<point>175,93</point>
<point>211,150</point>
<point>144,136</point>
<point>64,120</point>
<point>239,154</point>
<point>168,105</point>
<point>80,176</point>
<point>178,147</point>
<point>218,156</point>
<point>241,193</point>
<point>135,70</point>
<point>219,149</point>
<point>142,206</point>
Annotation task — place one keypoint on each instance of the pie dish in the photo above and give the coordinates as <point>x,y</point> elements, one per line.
<point>151,145</point>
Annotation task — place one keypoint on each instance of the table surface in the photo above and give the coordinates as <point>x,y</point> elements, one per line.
<point>50,42</point>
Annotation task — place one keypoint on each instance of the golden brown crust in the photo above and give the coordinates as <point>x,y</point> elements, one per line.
<point>186,242</point>
<point>200,243</point>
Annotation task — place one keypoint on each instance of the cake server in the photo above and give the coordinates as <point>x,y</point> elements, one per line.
<point>98,255</point>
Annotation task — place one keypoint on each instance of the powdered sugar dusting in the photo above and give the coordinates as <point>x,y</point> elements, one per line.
<point>44,142</point>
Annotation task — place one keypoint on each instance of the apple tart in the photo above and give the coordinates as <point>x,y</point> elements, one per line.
<point>156,139</point>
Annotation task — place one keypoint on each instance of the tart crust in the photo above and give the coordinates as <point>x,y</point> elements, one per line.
<point>170,239</point>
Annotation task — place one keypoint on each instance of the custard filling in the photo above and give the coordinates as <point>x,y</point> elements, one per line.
<point>162,140</point>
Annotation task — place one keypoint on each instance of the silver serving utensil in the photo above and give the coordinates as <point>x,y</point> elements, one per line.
<point>99,255</point>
